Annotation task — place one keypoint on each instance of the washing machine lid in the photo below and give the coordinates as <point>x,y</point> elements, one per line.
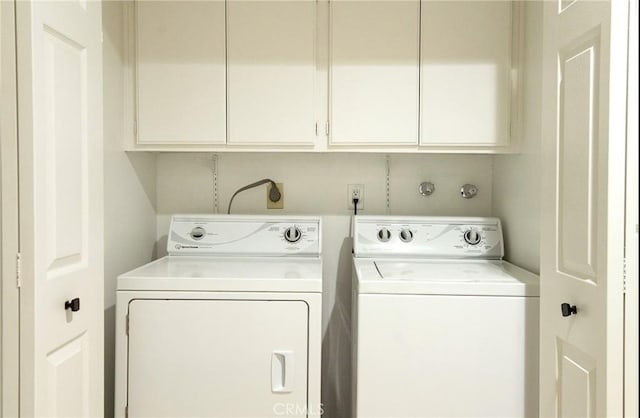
<point>226,274</point>
<point>444,277</point>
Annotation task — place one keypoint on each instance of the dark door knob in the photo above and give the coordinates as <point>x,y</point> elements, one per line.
<point>568,310</point>
<point>73,304</point>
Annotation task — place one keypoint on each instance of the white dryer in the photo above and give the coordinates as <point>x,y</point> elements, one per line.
<point>442,327</point>
<point>227,325</point>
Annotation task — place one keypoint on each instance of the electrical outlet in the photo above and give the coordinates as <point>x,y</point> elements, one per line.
<point>355,191</point>
<point>280,203</point>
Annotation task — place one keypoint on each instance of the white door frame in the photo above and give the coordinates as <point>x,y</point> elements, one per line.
<point>9,292</point>
<point>631,408</point>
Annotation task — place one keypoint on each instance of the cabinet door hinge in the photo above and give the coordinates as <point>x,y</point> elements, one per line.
<point>18,270</point>
<point>326,127</point>
<point>135,128</point>
<point>127,325</point>
<point>316,128</point>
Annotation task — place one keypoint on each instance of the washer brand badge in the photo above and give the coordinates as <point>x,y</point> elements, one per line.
<point>180,246</point>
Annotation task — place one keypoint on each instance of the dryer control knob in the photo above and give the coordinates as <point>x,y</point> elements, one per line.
<point>384,235</point>
<point>198,233</point>
<point>472,237</point>
<point>292,234</point>
<point>406,235</point>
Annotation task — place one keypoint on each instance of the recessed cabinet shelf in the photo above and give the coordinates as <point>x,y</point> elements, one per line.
<point>318,76</point>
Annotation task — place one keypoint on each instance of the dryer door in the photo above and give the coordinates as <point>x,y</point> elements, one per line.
<point>217,358</point>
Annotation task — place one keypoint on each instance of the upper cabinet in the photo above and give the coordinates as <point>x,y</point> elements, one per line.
<point>180,72</point>
<point>317,75</point>
<point>374,72</point>
<point>466,62</point>
<point>271,69</point>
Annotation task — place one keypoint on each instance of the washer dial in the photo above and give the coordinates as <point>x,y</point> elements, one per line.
<point>384,235</point>
<point>406,235</point>
<point>292,234</point>
<point>472,237</point>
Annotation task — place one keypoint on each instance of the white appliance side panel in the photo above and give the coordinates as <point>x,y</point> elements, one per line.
<point>446,356</point>
<point>217,358</point>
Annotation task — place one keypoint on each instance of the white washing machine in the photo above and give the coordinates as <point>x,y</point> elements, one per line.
<point>227,325</point>
<point>442,327</point>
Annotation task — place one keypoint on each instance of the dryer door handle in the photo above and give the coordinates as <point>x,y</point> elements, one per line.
<point>282,368</point>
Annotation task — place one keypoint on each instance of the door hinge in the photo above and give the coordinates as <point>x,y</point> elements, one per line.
<point>127,325</point>
<point>326,127</point>
<point>18,270</point>
<point>135,129</point>
<point>316,128</point>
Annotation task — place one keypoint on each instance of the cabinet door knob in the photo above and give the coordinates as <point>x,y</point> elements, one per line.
<point>568,310</point>
<point>73,304</point>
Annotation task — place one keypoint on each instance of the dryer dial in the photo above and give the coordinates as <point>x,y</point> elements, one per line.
<point>292,234</point>
<point>198,233</point>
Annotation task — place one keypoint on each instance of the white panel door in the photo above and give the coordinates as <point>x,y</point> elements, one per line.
<point>217,358</point>
<point>61,207</point>
<point>465,88</point>
<point>374,72</point>
<point>271,97</point>
<point>180,72</point>
<point>584,96</point>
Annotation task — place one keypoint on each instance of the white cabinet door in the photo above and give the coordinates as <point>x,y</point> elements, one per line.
<point>180,59</point>
<point>271,72</point>
<point>217,358</point>
<point>465,72</point>
<point>374,72</point>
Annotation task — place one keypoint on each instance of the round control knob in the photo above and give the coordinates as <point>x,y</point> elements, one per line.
<point>406,235</point>
<point>472,237</point>
<point>384,235</point>
<point>198,233</point>
<point>292,234</point>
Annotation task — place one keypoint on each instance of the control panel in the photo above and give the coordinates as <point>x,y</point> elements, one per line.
<point>238,235</point>
<point>434,237</point>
